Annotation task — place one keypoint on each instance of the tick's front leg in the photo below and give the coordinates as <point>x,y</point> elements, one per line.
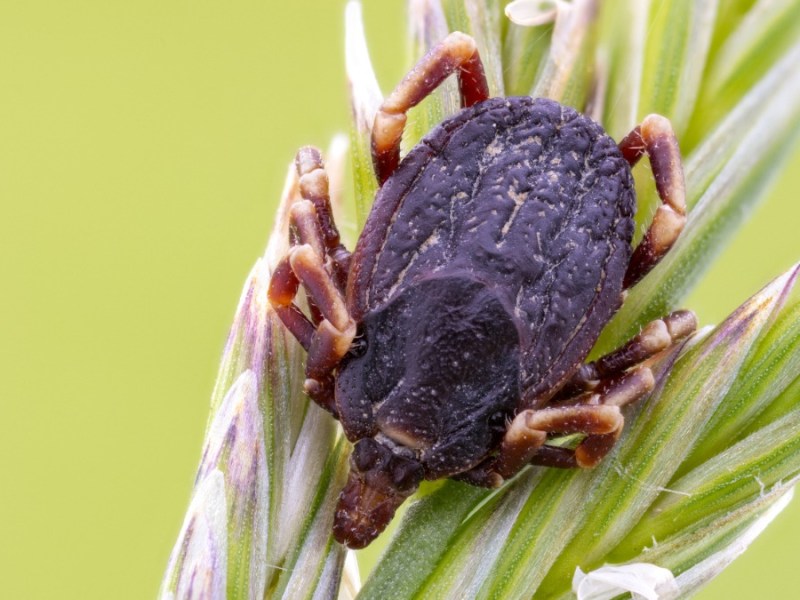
<point>656,138</point>
<point>331,339</point>
<point>320,227</point>
<point>526,436</point>
<point>319,262</point>
<point>336,331</point>
<point>456,53</point>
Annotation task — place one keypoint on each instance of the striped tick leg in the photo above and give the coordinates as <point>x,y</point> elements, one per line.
<point>655,337</point>
<point>456,53</point>
<point>656,138</point>
<point>314,189</point>
<point>524,441</point>
<point>588,404</point>
<point>319,262</point>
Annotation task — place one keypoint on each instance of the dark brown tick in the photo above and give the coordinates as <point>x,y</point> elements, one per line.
<point>451,343</point>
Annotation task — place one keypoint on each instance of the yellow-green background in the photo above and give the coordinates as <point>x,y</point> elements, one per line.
<point>142,148</point>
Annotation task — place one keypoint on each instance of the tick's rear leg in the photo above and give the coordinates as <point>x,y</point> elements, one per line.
<point>656,138</point>
<point>655,337</point>
<point>457,52</point>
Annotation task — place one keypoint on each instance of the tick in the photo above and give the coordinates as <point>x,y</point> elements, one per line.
<point>451,343</point>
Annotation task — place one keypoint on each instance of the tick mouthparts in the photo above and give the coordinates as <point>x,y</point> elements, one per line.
<point>364,511</point>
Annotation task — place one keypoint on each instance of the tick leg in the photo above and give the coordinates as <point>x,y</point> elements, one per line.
<point>306,229</point>
<point>283,286</point>
<point>656,336</point>
<point>322,391</point>
<point>613,393</point>
<point>323,235</point>
<point>457,52</point>
<point>602,425</point>
<point>656,138</point>
<point>319,262</point>
<point>526,436</point>
<point>336,331</point>
<point>323,343</point>
<point>331,339</point>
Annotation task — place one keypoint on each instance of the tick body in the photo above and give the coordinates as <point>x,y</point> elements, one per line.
<point>452,342</point>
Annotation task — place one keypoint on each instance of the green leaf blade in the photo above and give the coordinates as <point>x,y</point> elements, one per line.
<point>421,540</point>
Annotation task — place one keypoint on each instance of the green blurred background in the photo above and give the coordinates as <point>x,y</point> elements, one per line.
<point>143,146</point>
